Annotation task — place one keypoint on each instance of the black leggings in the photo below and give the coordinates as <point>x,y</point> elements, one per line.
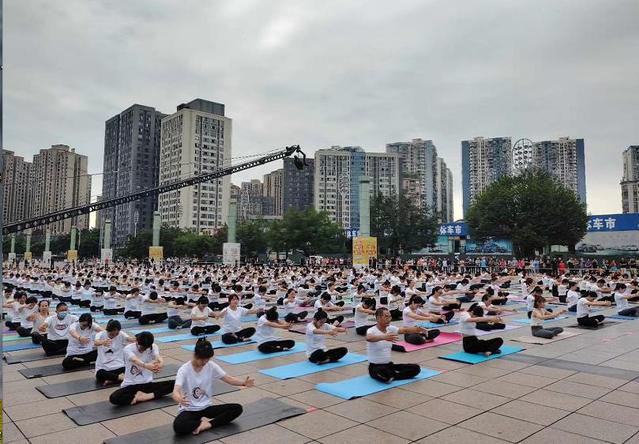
<point>590,321</point>
<point>632,311</point>
<point>187,421</point>
<point>125,395</point>
<point>363,329</point>
<point>333,355</point>
<point>132,314</point>
<point>451,306</point>
<point>176,321</point>
<point>396,315</point>
<point>54,347</point>
<point>108,375</point>
<point>386,372</point>
<point>23,332</point>
<point>339,319</point>
<point>208,330</point>
<point>153,317</point>
<point>295,317</point>
<point>238,336</point>
<point>77,361</point>
<point>12,325</point>
<point>37,337</point>
<point>448,316</point>
<point>421,338</point>
<point>473,345</point>
<point>487,326</point>
<point>112,311</point>
<point>216,306</point>
<point>95,308</point>
<point>85,304</point>
<point>276,346</point>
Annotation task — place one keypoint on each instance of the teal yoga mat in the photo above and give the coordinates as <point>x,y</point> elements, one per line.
<point>306,367</point>
<point>256,355</point>
<point>218,344</point>
<point>471,358</point>
<point>365,385</point>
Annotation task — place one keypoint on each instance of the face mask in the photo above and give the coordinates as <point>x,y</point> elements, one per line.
<point>62,315</point>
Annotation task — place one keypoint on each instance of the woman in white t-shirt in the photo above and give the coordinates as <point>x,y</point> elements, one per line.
<point>80,350</point>
<point>16,307</point>
<point>316,349</point>
<point>621,299</point>
<point>539,315</point>
<point>413,314</point>
<point>152,310</point>
<point>109,366</point>
<point>111,299</point>
<point>173,308</point>
<point>583,310</point>
<point>38,318</point>
<point>470,342</point>
<point>141,361</point>
<point>379,342</point>
<point>199,315</point>
<point>27,317</point>
<point>289,305</point>
<point>363,310</point>
<point>194,390</point>
<point>132,304</point>
<point>324,303</point>
<point>232,331</point>
<point>267,340</point>
<point>97,300</point>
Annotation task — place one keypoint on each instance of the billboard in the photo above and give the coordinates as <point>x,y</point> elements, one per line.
<point>611,235</point>
<point>364,248</point>
<point>490,246</point>
<point>454,229</point>
<point>231,253</point>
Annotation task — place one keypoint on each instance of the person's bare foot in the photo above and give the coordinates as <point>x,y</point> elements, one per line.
<point>142,397</point>
<point>205,424</point>
<point>121,377</point>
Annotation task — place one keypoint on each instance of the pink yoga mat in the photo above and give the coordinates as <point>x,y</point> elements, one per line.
<point>443,338</point>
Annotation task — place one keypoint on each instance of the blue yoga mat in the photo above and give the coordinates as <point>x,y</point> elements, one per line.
<point>433,325</point>
<point>184,337</point>
<point>365,385</point>
<point>155,331</point>
<point>248,319</point>
<point>471,358</point>
<point>11,338</point>
<point>218,344</point>
<point>622,318</point>
<point>19,347</point>
<point>526,321</point>
<point>306,367</point>
<point>256,355</point>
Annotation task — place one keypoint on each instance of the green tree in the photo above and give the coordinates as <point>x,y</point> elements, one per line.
<point>89,243</point>
<point>251,234</point>
<point>532,209</point>
<point>400,225</point>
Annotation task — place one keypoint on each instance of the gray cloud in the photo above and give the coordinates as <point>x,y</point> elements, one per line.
<point>332,72</point>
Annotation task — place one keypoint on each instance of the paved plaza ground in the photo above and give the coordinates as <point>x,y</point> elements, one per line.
<point>583,389</point>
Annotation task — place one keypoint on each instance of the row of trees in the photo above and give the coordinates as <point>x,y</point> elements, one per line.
<point>88,241</point>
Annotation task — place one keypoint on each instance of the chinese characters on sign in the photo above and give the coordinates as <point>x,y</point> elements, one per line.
<point>364,248</point>
<point>612,222</point>
<point>454,229</point>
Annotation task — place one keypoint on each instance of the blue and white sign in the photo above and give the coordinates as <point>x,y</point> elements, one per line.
<point>612,222</point>
<point>454,229</point>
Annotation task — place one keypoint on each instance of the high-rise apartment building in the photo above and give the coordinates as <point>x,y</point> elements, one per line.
<point>562,158</point>
<point>443,205</point>
<point>297,185</point>
<point>484,161</point>
<point>196,139</point>
<point>337,174</point>
<point>272,193</point>
<point>60,180</point>
<point>250,200</point>
<point>419,161</point>
<point>131,164</point>
<point>630,180</point>
<point>18,187</point>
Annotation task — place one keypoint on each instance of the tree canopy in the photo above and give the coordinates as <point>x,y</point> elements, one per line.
<point>400,225</point>
<point>532,209</point>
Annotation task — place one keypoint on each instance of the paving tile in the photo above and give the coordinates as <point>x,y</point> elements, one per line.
<point>596,428</point>
<point>407,425</point>
<point>318,424</point>
<point>445,411</point>
<point>556,436</point>
<point>597,380</point>
<point>507,364</point>
<point>361,410</point>
<point>633,440</point>
<point>270,434</point>
<point>141,421</point>
<point>535,413</point>
<point>632,387</point>
<point>398,397</point>
<point>91,434</point>
<point>574,388</point>
<point>502,427</point>
<point>91,397</point>
<point>528,380</point>
<point>611,412</point>
<point>474,398</point>
<point>11,433</point>
<point>458,435</point>
<point>459,379</point>
<point>45,425</point>
<point>363,434</point>
<point>40,408</point>
<point>503,388</point>
<point>622,398</point>
<point>549,372</point>
<point>432,388</point>
<point>316,399</point>
<point>288,387</point>
<point>28,395</point>
<point>556,400</point>
<point>483,371</point>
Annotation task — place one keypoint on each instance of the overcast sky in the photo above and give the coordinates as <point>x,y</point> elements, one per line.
<point>332,72</point>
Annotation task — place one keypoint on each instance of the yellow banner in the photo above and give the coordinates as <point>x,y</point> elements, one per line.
<point>156,253</point>
<point>72,255</point>
<point>364,248</point>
